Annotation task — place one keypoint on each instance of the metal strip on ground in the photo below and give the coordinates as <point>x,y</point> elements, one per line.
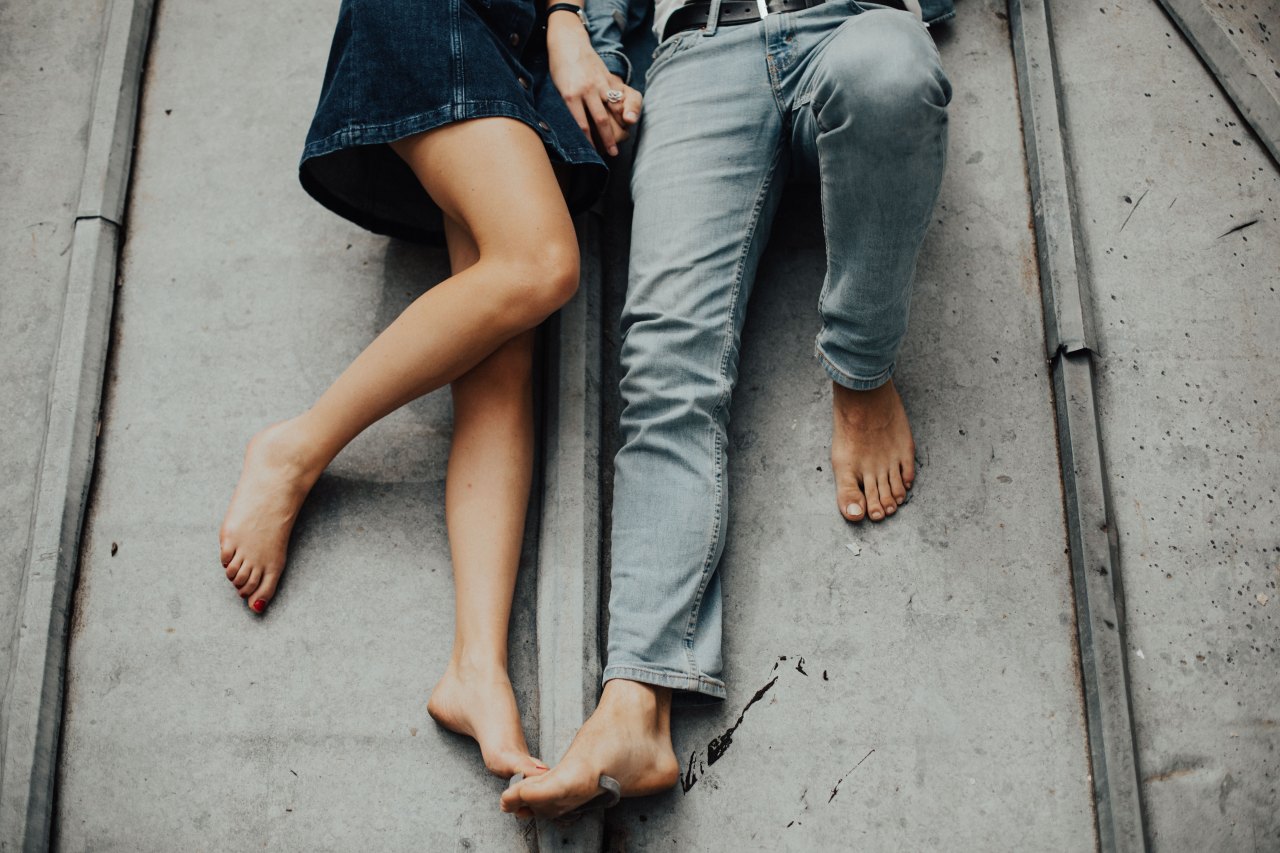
<point>569,543</point>
<point>33,710</point>
<point>1070,344</point>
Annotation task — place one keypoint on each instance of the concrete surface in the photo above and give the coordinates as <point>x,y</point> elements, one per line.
<point>192,724</point>
<point>916,680</point>
<point>1234,39</point>
<point>1187,313</point>
<point>34,693</point>
<point>48,57</point>
<point>1070,347</point>
<point>929,697</point>
<point>568,588</point>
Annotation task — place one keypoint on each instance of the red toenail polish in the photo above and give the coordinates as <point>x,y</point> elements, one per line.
<point>259,605</point>
<point>542,767</point>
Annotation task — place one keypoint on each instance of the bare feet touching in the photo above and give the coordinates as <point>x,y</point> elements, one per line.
<point>628,737</point>
<point>478,702</point>
<point>872,452</point>
<point>280,467</point>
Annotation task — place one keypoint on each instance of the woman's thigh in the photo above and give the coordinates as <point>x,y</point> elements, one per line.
<point>493,177</point>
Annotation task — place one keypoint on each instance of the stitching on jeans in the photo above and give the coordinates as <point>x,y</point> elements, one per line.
<point>459,74</point>
<point>775,81</point>
<point>727,336</point>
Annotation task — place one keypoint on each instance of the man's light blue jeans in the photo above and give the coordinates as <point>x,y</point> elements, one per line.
<point>850,95</point>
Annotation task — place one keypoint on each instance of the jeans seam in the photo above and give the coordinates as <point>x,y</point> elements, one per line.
<point>459,73</point>
<point>727,337</point>
<point>694,680</point>
<point>848,380</point>
<point>775,81</point>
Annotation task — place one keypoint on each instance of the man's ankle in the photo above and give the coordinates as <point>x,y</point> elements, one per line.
<point>636,697</point>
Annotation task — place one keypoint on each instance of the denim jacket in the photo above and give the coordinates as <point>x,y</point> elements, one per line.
<point>612,21</point>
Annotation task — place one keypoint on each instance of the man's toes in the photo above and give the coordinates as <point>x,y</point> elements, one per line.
<point>896,486</point>
<point>908,471</point>
<point>853,506</point>
<point>513,802</point>
<point>875,509</point>
<point>886,494</point>
<point>255,578</point>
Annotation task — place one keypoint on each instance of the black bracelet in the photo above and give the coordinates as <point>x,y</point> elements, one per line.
<point>567,7</point>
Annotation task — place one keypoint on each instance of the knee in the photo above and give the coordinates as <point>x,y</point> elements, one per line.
<point>539,279</point>
<point>673,378</point>
<point>884,74</point>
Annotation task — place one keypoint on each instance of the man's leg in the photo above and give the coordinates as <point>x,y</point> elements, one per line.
<point>708,175</point>
<point>871,125</point>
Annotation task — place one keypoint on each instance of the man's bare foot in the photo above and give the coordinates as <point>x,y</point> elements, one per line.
<point>872,452</point>
<point>280,467</point>
<point>480,704</point>
<point>628,737</point>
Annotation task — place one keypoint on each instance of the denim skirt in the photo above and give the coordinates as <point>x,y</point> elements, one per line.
<point>400,67</point>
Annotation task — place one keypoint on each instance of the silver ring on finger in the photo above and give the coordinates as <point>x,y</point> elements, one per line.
<point>613,96</point>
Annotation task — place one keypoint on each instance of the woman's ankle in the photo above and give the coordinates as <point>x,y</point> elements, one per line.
<point>479,664</point>
<point>303,444</point>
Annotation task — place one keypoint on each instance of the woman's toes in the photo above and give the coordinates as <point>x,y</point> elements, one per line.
<point>875,509</point>
<point>255,577</point>
<point>242,574</point>
<point>233,567</point>
<point>265,592</point>
<point>226,550</point>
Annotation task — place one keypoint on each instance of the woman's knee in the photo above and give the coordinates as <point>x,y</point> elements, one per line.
<point>539,276</point>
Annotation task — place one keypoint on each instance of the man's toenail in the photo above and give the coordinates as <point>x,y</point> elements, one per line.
<point>259,605</point>
<point>853,509</point>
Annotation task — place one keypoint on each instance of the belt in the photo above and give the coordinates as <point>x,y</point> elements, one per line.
<point>694,15</point>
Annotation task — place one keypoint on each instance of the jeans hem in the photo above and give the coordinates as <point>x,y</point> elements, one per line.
<point>690,682</point>
<point>854,383</point>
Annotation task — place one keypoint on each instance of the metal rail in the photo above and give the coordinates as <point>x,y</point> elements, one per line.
<point>34,692</point>
<point>1071,348</point>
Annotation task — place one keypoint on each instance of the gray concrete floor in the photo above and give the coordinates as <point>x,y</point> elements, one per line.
<point>1187,316</point>
<point>929,696</point>
<point>191,723</point>
<point>48,58</point>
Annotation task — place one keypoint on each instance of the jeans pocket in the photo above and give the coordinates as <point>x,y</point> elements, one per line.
<point>670,48</point>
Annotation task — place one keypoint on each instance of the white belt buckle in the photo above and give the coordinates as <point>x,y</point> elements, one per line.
<point>763,6</point>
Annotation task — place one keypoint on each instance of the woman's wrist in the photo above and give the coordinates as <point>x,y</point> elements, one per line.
<point>573,9</point>
<point>566,31</point>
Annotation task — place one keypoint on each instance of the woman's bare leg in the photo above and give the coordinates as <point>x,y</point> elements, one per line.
<point>527,268</point>
<point>486,496</point>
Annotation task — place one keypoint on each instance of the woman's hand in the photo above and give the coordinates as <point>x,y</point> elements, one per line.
<point>584,82</point>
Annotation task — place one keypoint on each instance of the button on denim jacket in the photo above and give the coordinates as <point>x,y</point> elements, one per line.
<point>611,21</point>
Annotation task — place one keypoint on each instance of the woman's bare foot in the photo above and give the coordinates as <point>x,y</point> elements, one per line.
<point>872,452</point>
<point>280,467</point>
<point>478,702</point>
<point>628,737</point>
